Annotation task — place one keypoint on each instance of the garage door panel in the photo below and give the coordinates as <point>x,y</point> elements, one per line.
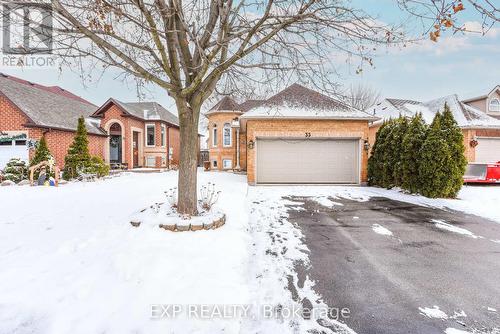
<point>307,161</point>
<point>488,149</point>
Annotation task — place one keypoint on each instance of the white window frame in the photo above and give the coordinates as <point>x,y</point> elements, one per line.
<point>214,135</point>
<point>490,109</point>
<point>224,163</point>
<point>226,126</point>
<point>163,134</point>
<point>150,125</point>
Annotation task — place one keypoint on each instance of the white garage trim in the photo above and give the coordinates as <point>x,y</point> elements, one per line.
<point>318,168</point>
<point>488,149</point>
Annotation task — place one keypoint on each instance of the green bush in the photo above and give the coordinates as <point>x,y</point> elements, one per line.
<point>388,155</point>
<point>375,162</point>
<point>79,158</point>
<point>419,159</point>
<point>453,136</point>
<point>398,133</point>
<point>16,170</point>
<point>98,166</point>
<point>42,153</point>
<point>410,159</point>
<point>434,163</point>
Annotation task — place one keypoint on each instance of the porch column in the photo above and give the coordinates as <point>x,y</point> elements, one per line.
<point>236,125</point>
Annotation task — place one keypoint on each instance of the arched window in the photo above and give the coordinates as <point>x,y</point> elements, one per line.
<point>214,135</point>
<point>227,135</point>
<point>494,105</point>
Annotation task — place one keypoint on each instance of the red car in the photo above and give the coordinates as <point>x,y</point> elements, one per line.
<point>482,173</point>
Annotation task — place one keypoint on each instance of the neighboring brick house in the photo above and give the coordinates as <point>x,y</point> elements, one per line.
<point>141,134</point>
<point>481,131</point>
<point>29,111</point>
<point>296,136</point>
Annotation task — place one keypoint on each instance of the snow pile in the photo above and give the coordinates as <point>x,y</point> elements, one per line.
<point>451,330</point>
<point>324,201</point>
<point>448,227</point>
<point>433,312</point>
<point>381,230</point>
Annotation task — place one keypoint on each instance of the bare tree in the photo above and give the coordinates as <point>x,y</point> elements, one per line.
<point>362,96</point>
<point>441,15</point>
<point>192,48</point>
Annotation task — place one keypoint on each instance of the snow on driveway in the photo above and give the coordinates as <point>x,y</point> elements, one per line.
<point>71,263</point>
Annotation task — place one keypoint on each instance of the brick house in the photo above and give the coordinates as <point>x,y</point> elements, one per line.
<point>142,134</point>
<point>29,111</point>
<point>481,131</point>
<point>295,136</point>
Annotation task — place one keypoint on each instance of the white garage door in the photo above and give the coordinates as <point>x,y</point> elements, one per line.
<point>307,160</point>
<point>488,149</point>
<point>13,149</point>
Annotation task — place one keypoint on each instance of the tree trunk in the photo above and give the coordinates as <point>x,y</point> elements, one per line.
<point>187,183</point>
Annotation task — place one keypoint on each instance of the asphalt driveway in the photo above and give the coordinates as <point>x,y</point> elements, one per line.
<point>384,279</point>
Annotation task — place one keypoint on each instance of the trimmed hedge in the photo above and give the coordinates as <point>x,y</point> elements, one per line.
<point>420,159</point>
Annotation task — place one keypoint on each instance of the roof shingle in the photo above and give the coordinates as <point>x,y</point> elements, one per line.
<point>46,108</point>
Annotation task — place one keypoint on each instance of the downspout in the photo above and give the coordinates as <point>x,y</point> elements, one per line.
<point>238,149</point>
<point>168,146</point>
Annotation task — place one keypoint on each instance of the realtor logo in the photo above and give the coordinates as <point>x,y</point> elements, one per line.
<point>27,28</point>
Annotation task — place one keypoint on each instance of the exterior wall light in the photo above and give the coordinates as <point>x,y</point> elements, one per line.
<point>250,144</point>
<point>366,145</point>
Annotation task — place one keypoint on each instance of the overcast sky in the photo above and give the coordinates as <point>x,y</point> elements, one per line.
<point>467,65</point>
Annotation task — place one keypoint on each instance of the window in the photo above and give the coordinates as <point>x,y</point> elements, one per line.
<point>227,163</point>
<point>227,140</point>
<point>163,135</point>
<point>20,142</point>
<point>150,135</point>
<point>214,163</point>
<point>494,105</point>
<point>214,136</point>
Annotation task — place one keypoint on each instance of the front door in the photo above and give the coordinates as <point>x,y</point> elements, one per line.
<point>135,149</point>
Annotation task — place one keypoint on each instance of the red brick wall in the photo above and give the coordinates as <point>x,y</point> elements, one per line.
<point>12,119</point>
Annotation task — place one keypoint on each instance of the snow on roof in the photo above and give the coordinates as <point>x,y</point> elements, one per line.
<point>298,101</point>
<point>465,115</point>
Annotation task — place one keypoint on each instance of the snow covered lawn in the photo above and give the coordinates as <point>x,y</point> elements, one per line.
<point>71,262</point>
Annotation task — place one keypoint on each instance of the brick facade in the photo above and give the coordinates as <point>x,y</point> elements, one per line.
<point>58,141</point>
<point>151,156</point>
<point>220,152</point>
<point>297,129</point>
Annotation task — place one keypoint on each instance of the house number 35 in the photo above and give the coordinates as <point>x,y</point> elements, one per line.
<point>308,135</point>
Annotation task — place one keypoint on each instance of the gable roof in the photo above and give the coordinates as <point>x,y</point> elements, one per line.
<point>47,109</point>
<point>300,102</point>
<point>53,89</point>
<point>465,115</point>
<point>472,99</point>
<point>146,111</point>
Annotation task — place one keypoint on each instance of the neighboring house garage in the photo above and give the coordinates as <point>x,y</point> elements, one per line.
<point>488,149</point>
<point>302,136</point>
<point>13,145</point>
